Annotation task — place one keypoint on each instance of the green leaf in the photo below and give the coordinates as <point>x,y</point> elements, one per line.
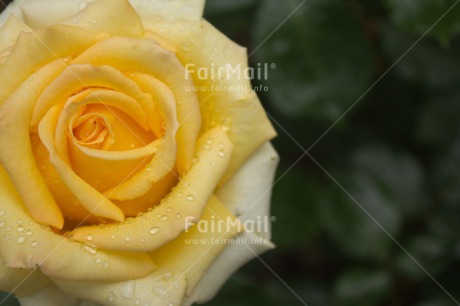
<point>323,60</point>
<point>294,206</point>
<point>363,287</point>
<point>387,187</point>
<point>438,123</point>
<point>9,301</point>
<point>430,253</point>
<point>427,63</point>
<point>419,15</point>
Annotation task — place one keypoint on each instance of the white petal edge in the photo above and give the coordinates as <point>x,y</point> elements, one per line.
<point>13,8</point>
<point>169,10</point>
<point>49,296</point>
<point>246,194</point>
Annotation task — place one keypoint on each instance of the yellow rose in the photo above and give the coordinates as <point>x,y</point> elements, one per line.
<point>117,160</point>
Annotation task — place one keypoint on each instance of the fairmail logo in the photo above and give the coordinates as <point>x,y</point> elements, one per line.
<point>218,225</point>
<point>229,72</point>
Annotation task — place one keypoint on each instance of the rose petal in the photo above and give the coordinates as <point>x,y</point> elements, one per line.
<point>34,50</point>
<point>49,296</point>
<point>104,16</point>
<point>56,256</point>
<point>96,203</point>
<point>21,281</point>
<point>244,248</point>
<point>248,196</point>
<point>105,97</point>
<point>187,199</point>
<point>100,16</point>
<point>148,57</point>
<point>182,265</point>
<point>150,290</point>
<point>169,9</point>
<point>14,8</point>
<point>165,158</point>
<point>10,31</point>
<point>15,148</point>
<point>77,77</point>
<point>229,102</point>
<point>193,251</point>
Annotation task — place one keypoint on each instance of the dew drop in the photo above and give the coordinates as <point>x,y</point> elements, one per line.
<point>34,244</point>
<point>2,213</point>
<point>190,197</point>
<point>154,230</point>
<point>29,233</point>
<point>169,209</point>
<point>221,153</point>
<point>128,239</point>
<point>164,218</point>
<point>21,240</point>
<point>8,228</point>
<point>98,260</point>
<point>2,224</point>
<point>178,216</point>
<point>89,237</point>
<point>207,147</point>
<point>180,194</point>
<point>105,265</point>
<point>111,297</point>
<point>90,249</point>
<point>20,229</point>
<point>112,237</point>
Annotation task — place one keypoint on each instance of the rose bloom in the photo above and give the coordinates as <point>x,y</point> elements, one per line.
<point>115,173</point>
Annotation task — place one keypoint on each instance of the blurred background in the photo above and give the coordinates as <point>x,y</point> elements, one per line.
<point>366,100</point>
<point>370,215</point>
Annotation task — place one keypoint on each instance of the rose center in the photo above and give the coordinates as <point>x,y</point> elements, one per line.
<point>91,130</point>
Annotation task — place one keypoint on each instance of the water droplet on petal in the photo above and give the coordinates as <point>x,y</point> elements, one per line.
<point>190,197</point>
<point>89,248</point>
<point>164,218</point>
<point>34,244</point>
<point>89,237</point>
<point>2,224</point>
<point>221,153</point>
<point>127,239</point>
<point>2,213</point>
<point>178,216</point>
<point>21,240</point>
<point>20,229</point>
<point>111,297</point>
<point>154,230</point>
